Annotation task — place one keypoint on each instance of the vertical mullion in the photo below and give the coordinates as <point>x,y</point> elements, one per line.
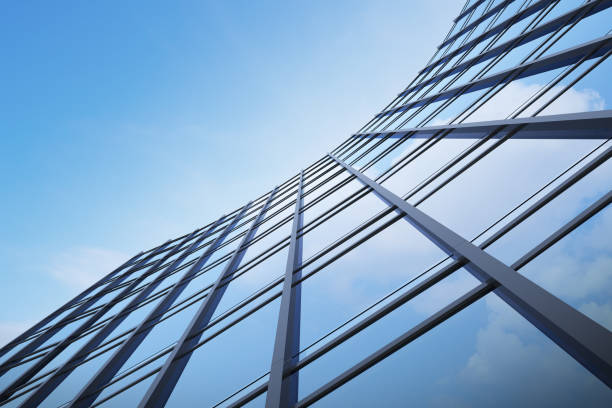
<point>92,389</point>
<point>165,381</point>
<point>62,372</point>
<point>582,338</point>
<point>47,334</point>
<point>82,328</point>
<point>69,304</point>
<point>284,392</point>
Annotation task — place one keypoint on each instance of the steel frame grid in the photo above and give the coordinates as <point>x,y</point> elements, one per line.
<point>575,333</point>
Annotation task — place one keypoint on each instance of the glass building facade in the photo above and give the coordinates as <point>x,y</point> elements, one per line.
<point>454,251</point>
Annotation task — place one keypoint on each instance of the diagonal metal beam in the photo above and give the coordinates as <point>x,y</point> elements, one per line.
<point>445,313</point>
<point>581,125</point>
<point>591,49</point>
<point>455,307</point>
<point>414,291</point>
<point>468,10</point>
<point>579,336</point>
<point>158,393</point>
<point>83,327</point>
<point>283,391</point>
<point>479,20</point>
<point>51,331</point>
<point>92,389</point>
<point>511,20</point>
<point>584,10</point>
<point>590,7</point>
<point>8,347</point>
<point>65,369</point>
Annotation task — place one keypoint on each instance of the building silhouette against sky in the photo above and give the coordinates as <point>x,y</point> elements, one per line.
<point>480,190</point>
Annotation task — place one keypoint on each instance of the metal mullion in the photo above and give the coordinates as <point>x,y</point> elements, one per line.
<point>456,265</point>
<point>580,126</point>
<point>500,233</point>
<point>52,330</point>
<point>460,66</point>
<point>516,74</point>
<point>270,230</point>
<point>354,197</point>
<point>327,193</point>
<point>344,145</point>
<point>356,147</point>
<point>371,148</point>
<point>327,168</point>
<point>278,198</point>
<point>165,316</point>
<point>461,303</point>
<point>461,90</point>
<point>579,336</point>
<point>48,386</point>
<point>128,331</point>
<point>362,193</point>
<point>322,162</point>
<point>374,121</point>
<point>535,33</point>
<point>312,167</point>
<point>280,210</point>
<point>586,169</point>
<point>204,245</point>
<point>509,134</point>
<point>127,282</point>
<point>315,176</point>
<point>163,266</point>
<point>332,176</point>
<point>447,270</point>
<point>174,309</point>
<point>451,268</point>
<point>62,345</point>
<point>415,153</point>
<point>456,96</point>
<point>467,11</point>
<point>335,209</point>
<point>192,236</point>
<point>284,391</point>
<point>564,230</point>
<point>40,325</point>
<point>353,145</point>
<point>470,297</point>
<point>276,226</point>
<point>165,381</point>
<point>557,60</point>
<point>465,29</point>
<point>491,32</point>
<point>88,394</point>
<point>389,148</point>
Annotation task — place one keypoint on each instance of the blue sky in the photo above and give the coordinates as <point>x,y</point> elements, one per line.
<point>126,123</point>
<point>123,125</point>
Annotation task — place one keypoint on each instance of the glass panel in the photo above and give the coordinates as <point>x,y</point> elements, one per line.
<point>487,355</point>
<point>229,361</point>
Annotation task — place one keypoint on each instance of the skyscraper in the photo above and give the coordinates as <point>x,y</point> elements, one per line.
<point>496,152</point>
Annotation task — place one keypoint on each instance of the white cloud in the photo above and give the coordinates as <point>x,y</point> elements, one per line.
<point>567,276</point>
<point>512,358</point>
<point>506,101</point>
<point>510,171</point>
<point>79,267</point>
<point>514,94</point>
